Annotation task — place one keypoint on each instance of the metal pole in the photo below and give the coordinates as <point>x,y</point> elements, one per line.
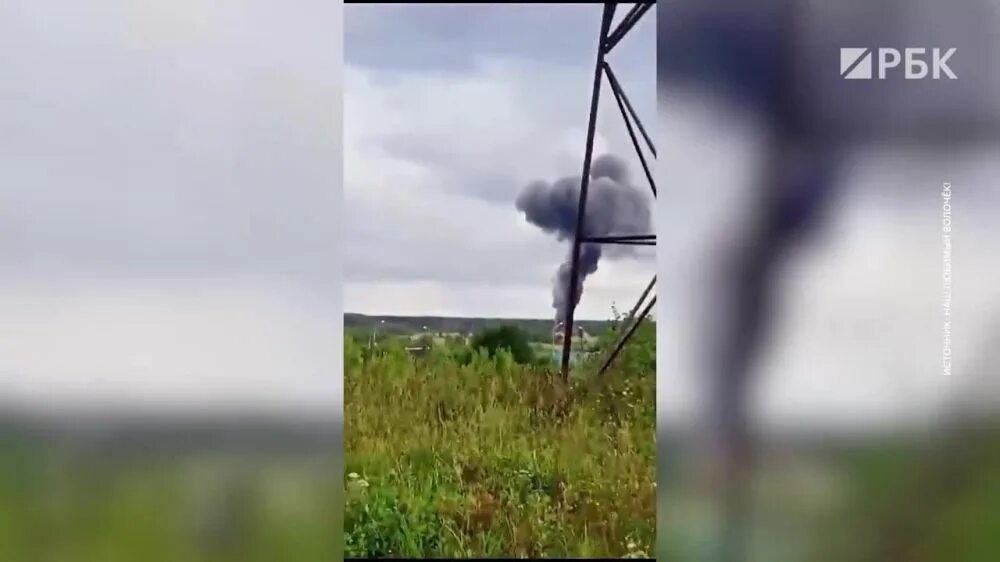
<point>628,125</point>
<point>609,8</point>
<point>617,87</point>
<point>625,338</point>
<point>621,238</point>
<point>627,23</point>
<point>638,303</point>
<point>628,325</point>
<point>633,242</point>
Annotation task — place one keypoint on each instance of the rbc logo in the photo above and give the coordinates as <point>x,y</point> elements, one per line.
<point>856,63</point>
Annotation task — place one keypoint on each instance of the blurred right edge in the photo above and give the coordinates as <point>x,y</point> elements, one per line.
<point>804,408</point>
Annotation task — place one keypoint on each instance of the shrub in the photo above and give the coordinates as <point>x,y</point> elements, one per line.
<point>515,340</point>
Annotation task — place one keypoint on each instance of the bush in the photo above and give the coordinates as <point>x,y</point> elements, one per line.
<point>515,340</point>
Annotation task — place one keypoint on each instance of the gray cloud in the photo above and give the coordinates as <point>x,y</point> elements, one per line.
<point>614,207</point>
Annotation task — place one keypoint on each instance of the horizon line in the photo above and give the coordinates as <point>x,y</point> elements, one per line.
<point>474,317</point>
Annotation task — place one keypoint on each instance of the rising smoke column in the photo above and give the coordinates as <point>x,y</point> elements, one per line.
<point>614,207</point>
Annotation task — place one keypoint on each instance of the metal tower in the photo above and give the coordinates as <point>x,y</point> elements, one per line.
<point>608,40</point>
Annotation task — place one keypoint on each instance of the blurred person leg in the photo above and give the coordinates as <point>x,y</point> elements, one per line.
<point>796,188</point>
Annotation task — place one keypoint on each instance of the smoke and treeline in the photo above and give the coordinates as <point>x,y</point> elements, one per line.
<point>615,207</point>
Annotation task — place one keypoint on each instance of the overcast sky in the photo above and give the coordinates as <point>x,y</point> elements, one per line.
<point>172,234</point>
<point>169,188</point>
<point>450,111</point>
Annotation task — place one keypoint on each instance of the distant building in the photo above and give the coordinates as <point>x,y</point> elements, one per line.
<point>559,334</point>
<point>580,338</point>
<point>417,350</point>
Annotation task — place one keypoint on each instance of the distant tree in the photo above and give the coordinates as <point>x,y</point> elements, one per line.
<point>511,338</point>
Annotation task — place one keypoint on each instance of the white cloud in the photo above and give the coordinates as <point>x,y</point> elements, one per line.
<point>181,346</point>
<point>170,178</point>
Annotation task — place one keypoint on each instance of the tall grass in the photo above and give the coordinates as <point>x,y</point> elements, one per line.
<point>494,458</point>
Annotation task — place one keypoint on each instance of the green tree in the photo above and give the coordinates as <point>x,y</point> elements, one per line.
<point>515,340</point>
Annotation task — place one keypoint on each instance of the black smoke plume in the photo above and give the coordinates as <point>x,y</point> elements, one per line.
<point>614,208</point>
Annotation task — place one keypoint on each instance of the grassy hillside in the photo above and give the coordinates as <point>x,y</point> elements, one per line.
<point>493,458</point>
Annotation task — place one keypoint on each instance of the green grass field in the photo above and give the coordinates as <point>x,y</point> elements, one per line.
<point>494,458</point>
<point>63,503</point>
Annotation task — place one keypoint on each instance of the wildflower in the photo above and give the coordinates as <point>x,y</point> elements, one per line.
<point>356,486</point>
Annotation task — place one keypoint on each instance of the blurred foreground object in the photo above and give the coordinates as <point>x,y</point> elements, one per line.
<point>770,72</point>
<point>169,489</point>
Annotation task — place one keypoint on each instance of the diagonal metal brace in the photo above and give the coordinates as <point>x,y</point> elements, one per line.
<point>627,23</point>
<point>628,335</point>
